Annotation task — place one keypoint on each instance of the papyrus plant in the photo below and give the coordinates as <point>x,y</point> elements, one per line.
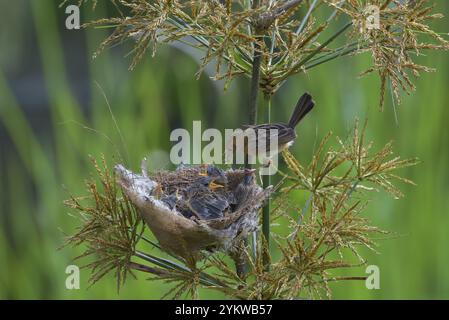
<point>324,233</point>
<point>277,39</point>
<point>269,41</point>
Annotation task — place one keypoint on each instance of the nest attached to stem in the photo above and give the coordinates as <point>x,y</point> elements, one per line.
<point>187,237</point>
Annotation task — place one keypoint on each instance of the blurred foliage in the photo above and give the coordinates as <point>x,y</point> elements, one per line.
<point>40,157</point>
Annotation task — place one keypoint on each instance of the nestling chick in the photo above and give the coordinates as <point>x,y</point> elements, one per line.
<point>203,202</point>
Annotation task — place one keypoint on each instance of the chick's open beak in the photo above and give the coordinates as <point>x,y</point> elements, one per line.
<point>214,185</point>
<point>203,170</point>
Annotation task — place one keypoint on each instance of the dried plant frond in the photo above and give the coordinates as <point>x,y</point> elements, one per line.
<point>206,25</point>
<point>401,34</point>
<point>351,167</point>
<point>285,34</point>
<point>111,227</point>
<point>227,32</point>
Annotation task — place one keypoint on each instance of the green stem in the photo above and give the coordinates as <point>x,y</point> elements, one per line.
<point>205,279</point>
<point>319,62</point>
<point>254,89</point>
<point>316,51</point>
<point>255,77</point>
<point>301,216</point>
<point>306,17</point>
<point>161,262</point>
<point>266,210</point>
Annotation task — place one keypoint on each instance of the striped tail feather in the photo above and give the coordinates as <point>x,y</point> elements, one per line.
<point>303,107</point>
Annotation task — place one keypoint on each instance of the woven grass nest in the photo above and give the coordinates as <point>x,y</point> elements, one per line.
<point>160,199</point>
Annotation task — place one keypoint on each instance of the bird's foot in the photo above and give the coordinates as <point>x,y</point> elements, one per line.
<point>267,163</point>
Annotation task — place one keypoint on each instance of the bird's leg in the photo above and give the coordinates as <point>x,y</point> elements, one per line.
<point>260,177</point>
<point>267,163</point>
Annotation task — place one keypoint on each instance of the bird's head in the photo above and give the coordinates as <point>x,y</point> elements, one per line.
<point>218,175</point>
<point>248,177</point>
<point>207,182</point>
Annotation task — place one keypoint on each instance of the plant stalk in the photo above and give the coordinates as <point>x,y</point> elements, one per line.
<point>255,76</point>
<point>147,269</point>
<point>309,57</point>
<point>254,89</point>
<point>266,209</point>
<point>252,111</point>
<point>205,279</point>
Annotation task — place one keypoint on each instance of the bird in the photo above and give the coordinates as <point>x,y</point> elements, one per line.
<point>202,202</point>
<point>236,192</point>
<point>170,200</point>
<point>218,175</point>
<point>219,179</point>
<point>243,195</point>
<point>285,132</point>
<point>210,193</point>
<point>244,189</point>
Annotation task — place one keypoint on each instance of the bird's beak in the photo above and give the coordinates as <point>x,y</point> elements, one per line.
<point>214,186</point>
<point>203,170</point>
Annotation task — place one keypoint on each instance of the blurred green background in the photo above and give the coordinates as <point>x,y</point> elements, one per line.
<point>53,114</point>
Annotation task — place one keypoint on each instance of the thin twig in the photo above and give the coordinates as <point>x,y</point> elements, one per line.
<point>254,89</point>
<point>266,19</point>
<point>205,279</point>
<point>255,78</point>
<point>147,269</point>
<point>266,208</point>
<point>306,17</point>
<point>316,51</point>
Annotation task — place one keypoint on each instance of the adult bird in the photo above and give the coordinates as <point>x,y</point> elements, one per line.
<point>255,136</point>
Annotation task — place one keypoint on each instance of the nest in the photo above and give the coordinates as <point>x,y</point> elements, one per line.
<point>177,230</point>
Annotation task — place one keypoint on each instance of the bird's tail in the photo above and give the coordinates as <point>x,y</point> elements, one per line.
<point>304,105</point>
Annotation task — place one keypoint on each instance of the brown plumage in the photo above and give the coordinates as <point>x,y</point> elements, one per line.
<point>285,132</point>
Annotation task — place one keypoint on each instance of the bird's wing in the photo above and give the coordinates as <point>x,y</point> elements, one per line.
<point>251,136</point>
<point>270,131</point>
<point>303,107</point>
<point>286,135</point>
<point>170,200</point>
<point>207,209</point>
